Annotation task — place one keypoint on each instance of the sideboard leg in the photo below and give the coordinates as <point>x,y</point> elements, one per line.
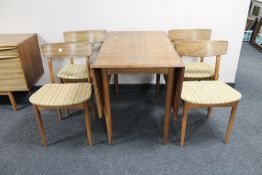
<point>12,99</point>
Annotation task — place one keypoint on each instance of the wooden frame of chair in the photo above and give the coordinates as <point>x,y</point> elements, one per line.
<point>181,35</point>
<point>202,48</point>
<point>84,106</point>
<point>62,50</point>
<point>91,36</point>
<point>188,106</point>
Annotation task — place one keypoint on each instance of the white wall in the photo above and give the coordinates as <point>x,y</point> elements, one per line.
<point>49,18</point>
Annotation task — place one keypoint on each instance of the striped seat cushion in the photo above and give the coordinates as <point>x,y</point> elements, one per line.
<point>61,94</point>
<point>199,70</point>
<point>73,71</point>
<point>208,92</point>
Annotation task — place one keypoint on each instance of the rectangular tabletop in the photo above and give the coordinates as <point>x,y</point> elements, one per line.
<point>137,50</point>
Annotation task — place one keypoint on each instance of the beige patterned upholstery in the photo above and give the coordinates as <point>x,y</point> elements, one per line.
<point>198,70</point>
<point>73,71</point>
<point>208,92</point>
<point>61,94</point>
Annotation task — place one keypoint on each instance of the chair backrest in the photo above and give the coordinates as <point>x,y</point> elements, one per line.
<point>189,34</point>
<point>66,50</point>
<point>201,48</point>
<point>92,36</point>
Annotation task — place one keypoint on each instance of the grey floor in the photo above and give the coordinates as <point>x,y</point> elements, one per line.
<point>137,128</point>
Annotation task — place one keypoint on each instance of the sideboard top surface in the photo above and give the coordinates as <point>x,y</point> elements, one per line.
<point>13,39</point>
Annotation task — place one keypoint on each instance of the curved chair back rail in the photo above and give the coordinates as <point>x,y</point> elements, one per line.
<point>66,50</point>
<point>201,48</point>
<point>92,36</point>
<point>189,34</point>
<point>62,50</point>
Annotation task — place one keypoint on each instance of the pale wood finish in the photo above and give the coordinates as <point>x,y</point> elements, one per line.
<point>20,63</point>
<point>135,52</point>
<point>13,40</point>
<point>189,34</point>
<point>188,106</point>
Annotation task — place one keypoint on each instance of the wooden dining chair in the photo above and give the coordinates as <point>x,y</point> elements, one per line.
<point>63,96</point>
<point>81,72</point>
<point>206,94</point>
<point>94,36</point>
<point>182,35</point>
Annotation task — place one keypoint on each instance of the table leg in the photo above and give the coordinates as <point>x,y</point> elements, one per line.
<point>97,83</point>
<point>179,78</point>
<point>169,95</point>
<point>107,105</point>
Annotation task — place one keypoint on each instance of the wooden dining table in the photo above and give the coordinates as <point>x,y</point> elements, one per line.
<point>137,52</point>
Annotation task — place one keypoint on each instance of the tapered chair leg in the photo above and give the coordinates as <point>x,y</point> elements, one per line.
<point>59,113</point>
<point>184,123</point>
<point>157,86</point>
<point>40,124</point>
<point>93,106</point>
<point>12,100</point>
<point>209,112</point>
<point>88,124</point>
<point>116,85</point>
<point>62,81</point>
<point>231,122</point>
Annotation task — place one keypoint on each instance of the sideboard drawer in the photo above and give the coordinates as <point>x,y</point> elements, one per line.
<point>8,52</point>
<point>12,75</point>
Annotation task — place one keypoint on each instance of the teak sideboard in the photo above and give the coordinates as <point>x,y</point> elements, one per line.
<point>20,63</point>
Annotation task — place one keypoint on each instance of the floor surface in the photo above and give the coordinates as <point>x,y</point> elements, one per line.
<point>137,136</point>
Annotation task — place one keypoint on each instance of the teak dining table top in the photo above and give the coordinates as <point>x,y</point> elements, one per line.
<point>137,50</point>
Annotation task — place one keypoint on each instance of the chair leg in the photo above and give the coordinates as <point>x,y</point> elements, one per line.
<point>93,106</point>
<point>88,124</point>
<point>209,112</point>
<point>157,85</point>
<point>116,85</point>
<point>12,100</point>
<point>184,123</point>
<point>59,113</point>
<point>67,112</point>
<point>231,122</point>
<point>40,124</point>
